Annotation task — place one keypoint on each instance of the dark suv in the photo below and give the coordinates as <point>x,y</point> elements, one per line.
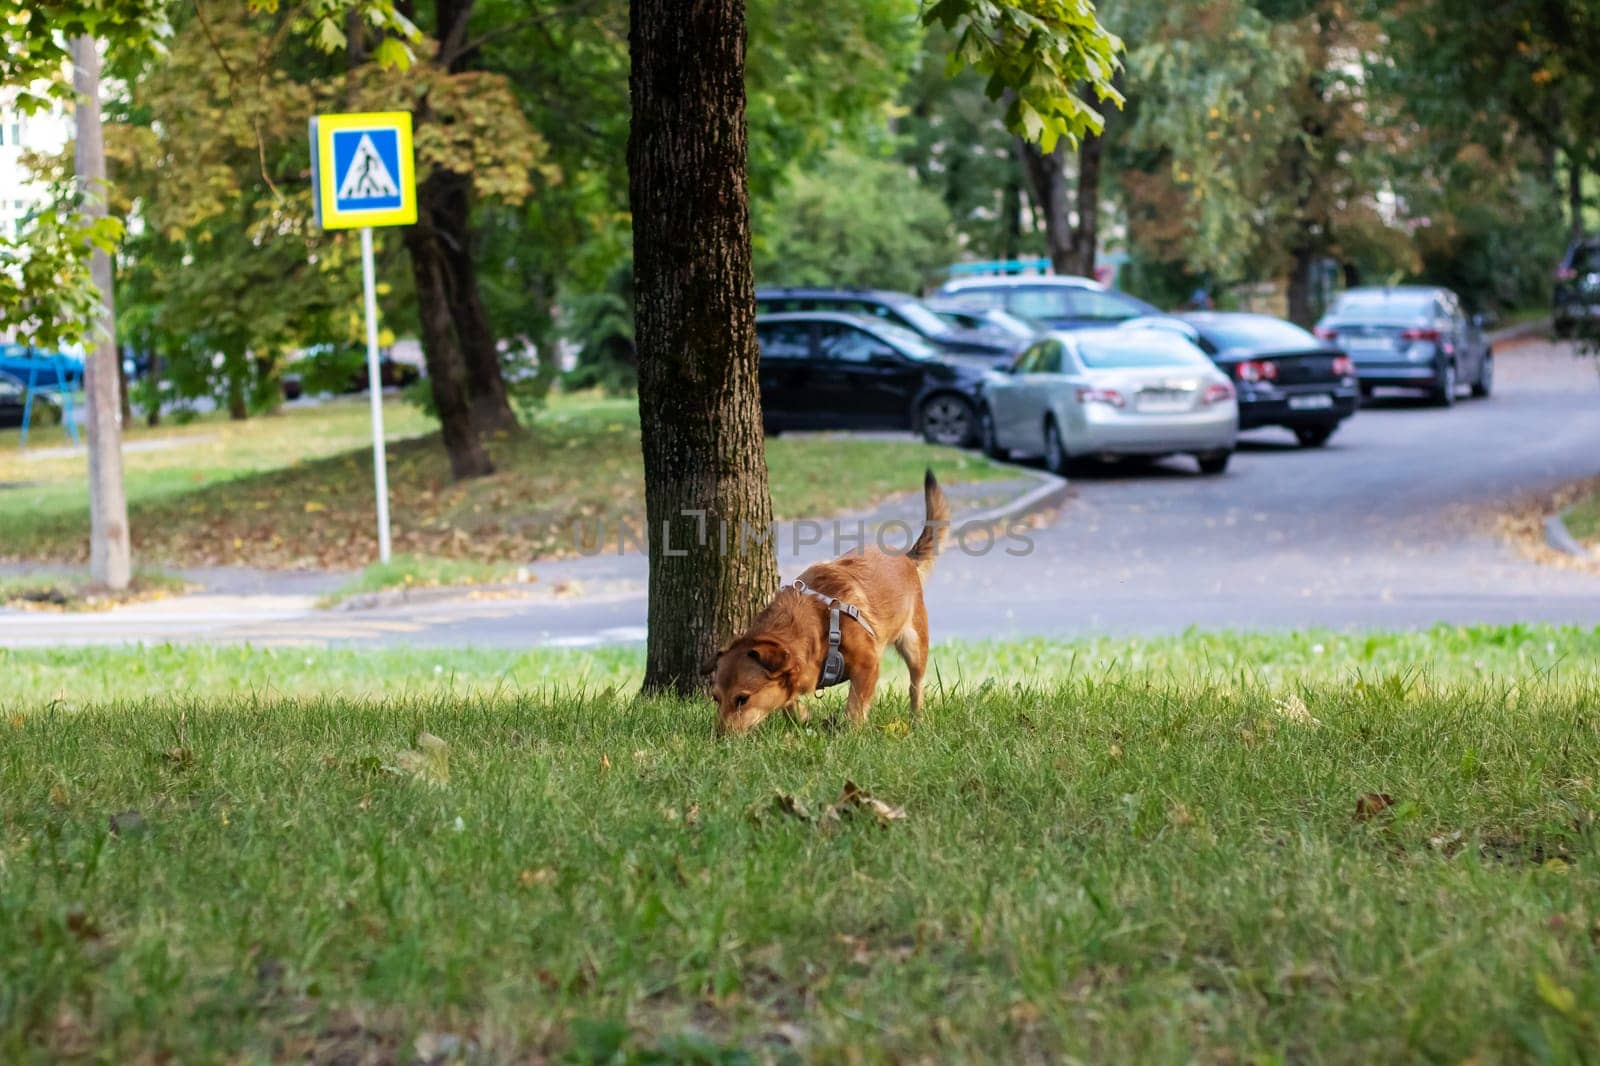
<point>828,370</point>
<point>1577,297</point>
<point>994,347</point>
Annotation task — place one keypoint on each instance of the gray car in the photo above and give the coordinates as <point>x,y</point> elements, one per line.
<point>1109,393</point>
<point>1411,337</point>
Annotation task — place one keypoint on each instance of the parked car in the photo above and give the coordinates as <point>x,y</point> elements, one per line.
<point>326,369</point>
<point>1108,393</point>
<point>1058,301</point>
<point>1284,375</point>
<point>13,400</point>
<point>989,346</point>
<point>1411,337</point>
<point>831,370</point>
<point>976,316</point>
<point>1577,293</point>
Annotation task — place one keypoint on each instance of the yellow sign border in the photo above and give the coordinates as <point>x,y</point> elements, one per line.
<point>332,217</point>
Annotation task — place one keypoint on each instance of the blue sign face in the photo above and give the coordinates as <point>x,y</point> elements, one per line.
<point>366,169</point>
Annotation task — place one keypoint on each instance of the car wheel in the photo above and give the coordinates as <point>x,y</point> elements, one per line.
<point>1444,395</point>
<point>948,420</point>
<point>1563,329</point>
<point>1056,459</point>
<point>1213,462</point>
<point>1367,392</point>
<point>1485,383</point>
<point>991,443</point>
<point>1314,436</point>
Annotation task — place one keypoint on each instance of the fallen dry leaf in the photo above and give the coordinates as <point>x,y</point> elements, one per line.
<point>854,799</point>
<point>428,762</point>
<point>1371,804</point>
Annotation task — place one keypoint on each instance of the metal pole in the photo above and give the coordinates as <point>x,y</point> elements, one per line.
<point>380,469</point>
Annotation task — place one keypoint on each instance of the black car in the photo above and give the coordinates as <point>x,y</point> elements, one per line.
<point>992,346</point>
<point>1577,296</point>
<point>1284,376</point>
<point>13,398</point>
<point>1411,337</point>
<point>830,370</point>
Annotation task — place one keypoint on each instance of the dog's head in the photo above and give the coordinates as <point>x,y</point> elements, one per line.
<point>750,679</point>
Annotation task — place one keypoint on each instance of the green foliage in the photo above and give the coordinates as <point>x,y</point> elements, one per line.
<point>853,220</point>
<point>46,291</point>
<point>600,323</point>
<point>1038,55</point>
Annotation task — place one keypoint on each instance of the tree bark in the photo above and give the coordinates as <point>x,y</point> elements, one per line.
<point>110,553</point>
<point>450,207</point>
<point>1071,243</point>
<point>441,350</point>
<point>706,496</point>
<point>1299,294</point>
<point>1575,196</point>
<point>123,404</point>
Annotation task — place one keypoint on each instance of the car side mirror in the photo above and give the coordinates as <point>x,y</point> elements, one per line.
<point>1485,319</point>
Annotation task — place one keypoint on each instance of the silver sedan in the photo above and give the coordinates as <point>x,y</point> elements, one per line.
<point>1106,392</point>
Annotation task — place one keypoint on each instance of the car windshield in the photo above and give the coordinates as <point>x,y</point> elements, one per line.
<point>908,342</point>
<point>922,319</point>
<point>1256,334</point>
<point>1586,259</point>
<point>1139,348</point>
<point>1383,306</point>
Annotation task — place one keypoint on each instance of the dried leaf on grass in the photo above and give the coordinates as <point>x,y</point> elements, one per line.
<point>1372,804</point>
<point>854,800</point>
<point>428,762</point>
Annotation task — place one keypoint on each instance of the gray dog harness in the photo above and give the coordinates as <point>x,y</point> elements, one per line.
<point>833,665</point>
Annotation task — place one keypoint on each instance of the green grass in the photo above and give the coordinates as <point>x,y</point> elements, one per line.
<point>1583,518</point>
<point>420,572</point>
<point>1115,850</point>
<point>295,489</point>
<point>59,590</point>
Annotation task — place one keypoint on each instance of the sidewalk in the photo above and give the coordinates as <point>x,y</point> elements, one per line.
<point>605,591</point>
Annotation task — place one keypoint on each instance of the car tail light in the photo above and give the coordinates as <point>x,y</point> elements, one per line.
<point>1565,274</point>
<point>1110,397</point>
<point>1256,370</point>
<point>1216,393</point>
<point>1343,367</point>
<point>1326,333</point>
<point>1419,335</point>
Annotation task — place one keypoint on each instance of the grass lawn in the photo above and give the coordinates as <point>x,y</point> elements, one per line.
<point>295,489</point>
<point>1112,850</point>
<point>1583,518</point>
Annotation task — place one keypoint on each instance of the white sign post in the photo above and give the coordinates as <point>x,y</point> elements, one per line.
<point>363,175</point>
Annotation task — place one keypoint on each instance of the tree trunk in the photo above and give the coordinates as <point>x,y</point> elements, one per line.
<point>1071,243</point>
<point>699,402</point>
<point>1090,155</point>
<point>122,386</point>
<point>446,199</point>
<point>110,554</point>
<point>237,370</point>
<point>1575,196</point>
<point>441,350</point>
<point>450,208</point>
<point>152,416</point>
<point>1300,311</point>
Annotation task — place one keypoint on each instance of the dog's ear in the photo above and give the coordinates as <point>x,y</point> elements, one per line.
<point>772,656</point>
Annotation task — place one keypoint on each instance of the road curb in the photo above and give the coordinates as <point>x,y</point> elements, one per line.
<point>366,601</point>
<point>1560,538</point>
<point>1517,332</point>
<point>1050,491</point>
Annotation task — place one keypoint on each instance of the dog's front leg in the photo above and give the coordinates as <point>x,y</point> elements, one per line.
<point>862,685</point>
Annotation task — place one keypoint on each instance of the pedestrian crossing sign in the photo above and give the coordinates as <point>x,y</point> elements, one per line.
<point>362,172</point>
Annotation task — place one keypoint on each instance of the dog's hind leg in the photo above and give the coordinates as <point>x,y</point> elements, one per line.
<point>912,644</point>
<point>862,687</point>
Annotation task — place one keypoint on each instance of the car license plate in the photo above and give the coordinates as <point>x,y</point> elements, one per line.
<point>1163,401</point>
<point>1319,402</point>
<point>1369,344</point>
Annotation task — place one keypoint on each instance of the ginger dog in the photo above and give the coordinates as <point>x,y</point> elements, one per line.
<point>784,654</point>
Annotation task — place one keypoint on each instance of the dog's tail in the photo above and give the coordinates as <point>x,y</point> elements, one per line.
<point>926,549</point>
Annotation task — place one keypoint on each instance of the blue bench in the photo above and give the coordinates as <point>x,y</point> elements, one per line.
<point>42,371</point>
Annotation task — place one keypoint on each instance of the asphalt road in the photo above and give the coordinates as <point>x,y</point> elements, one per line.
<point>1388,526</point>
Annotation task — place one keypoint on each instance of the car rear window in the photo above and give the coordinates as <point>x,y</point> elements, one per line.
<point>1586,259</point>
<point>1383,307</point>
<point>1142,348</point>
<point>1256,334</point>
